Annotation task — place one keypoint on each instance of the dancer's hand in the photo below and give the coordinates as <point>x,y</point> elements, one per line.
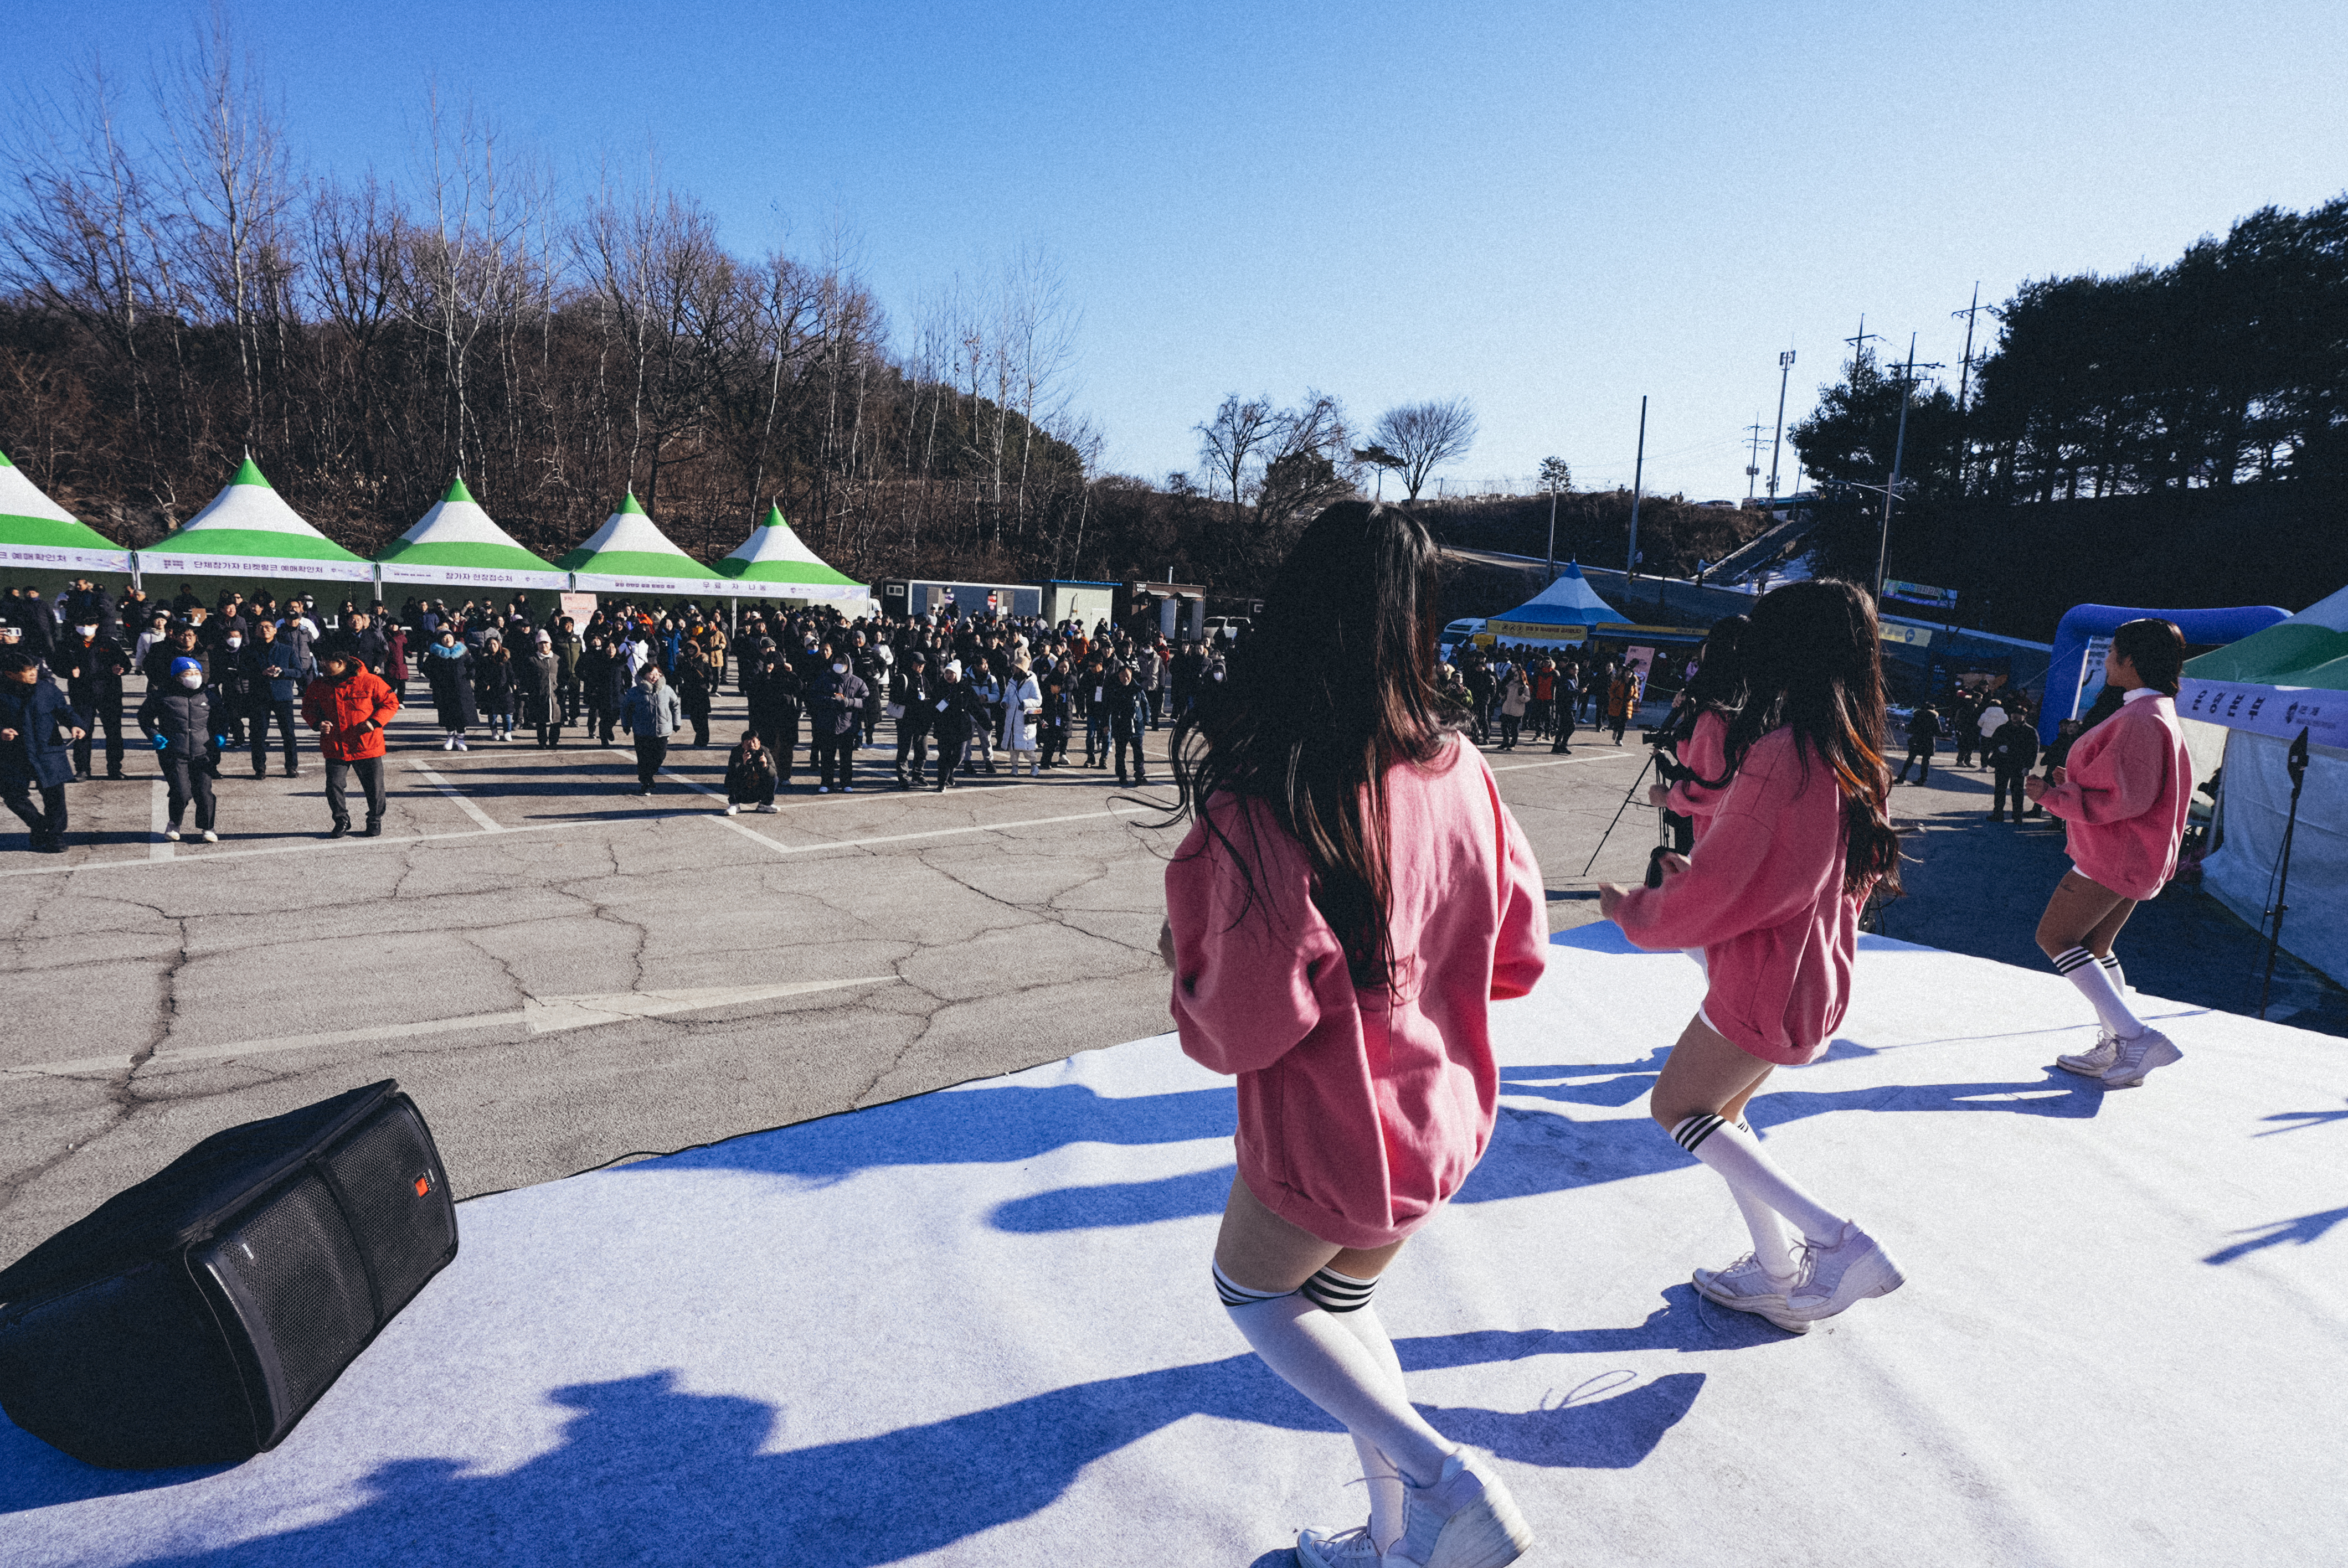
<point>1658,793</point>
<point>1610,899</point>
<point>1673,864</point>
<point>1166,942</point>
<point>2034,787</point>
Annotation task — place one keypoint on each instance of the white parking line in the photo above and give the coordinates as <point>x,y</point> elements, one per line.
<point>1561,762</point>
<point>544,1015</point>
<point>488,824</point>
<point>159,818</point>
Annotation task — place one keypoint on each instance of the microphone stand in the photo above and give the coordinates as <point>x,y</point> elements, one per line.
<point>2297,763</point>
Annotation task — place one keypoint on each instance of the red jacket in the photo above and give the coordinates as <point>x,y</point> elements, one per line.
<point>358,707</point>
<point>2127,791</point>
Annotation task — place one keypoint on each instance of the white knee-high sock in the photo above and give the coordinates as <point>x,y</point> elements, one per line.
<point>1735,1153</point>
<point>1770,1246</point>
<point>1385,1481</point>
<point>1330,1366</point>
<point>2111,962</point>
<point>2100,986</point>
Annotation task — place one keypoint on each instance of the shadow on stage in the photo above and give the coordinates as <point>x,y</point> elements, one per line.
<point>646,1473</point>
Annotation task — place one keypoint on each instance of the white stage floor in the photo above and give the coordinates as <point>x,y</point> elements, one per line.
<point>976,1327</point>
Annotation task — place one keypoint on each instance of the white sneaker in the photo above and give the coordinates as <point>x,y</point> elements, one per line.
<point>462,745</point>
<point>2139,1056</point>
<point>848,789</point>
<point>823,789</point>
<point>2095,1063</point>
<point>1465,1519</point>
<point>1348,1549</point>
<point>210,838</point>
<point>448,743</point>
<point>170,835</point>
<point>1746,1287</point>
<point>769,808</point>
<point>1836,1276</point>
<point>733,810</point>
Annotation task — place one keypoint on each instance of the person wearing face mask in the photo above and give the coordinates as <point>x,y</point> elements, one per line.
<point>37,726</point>
<point>177,716</point>
<point>449,670</point>
<point>95,664</point>
<point>651,714</point>
<point>835,699</point>
<point>960,713</point>
<point>349,705</point>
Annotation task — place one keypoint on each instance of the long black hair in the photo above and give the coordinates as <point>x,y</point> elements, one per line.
<point>1332,686</point>
<point>1813,662</point>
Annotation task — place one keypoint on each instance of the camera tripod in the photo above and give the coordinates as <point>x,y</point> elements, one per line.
<point>1654,878</point>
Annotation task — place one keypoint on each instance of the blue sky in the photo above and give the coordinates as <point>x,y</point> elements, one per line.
<point>1547,209</point>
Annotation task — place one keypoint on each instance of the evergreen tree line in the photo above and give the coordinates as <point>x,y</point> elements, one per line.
<point>2169,436</point>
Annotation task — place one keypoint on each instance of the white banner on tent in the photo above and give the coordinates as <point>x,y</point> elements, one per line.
<point>474,576</point>
<point>47,559</point>
<point>271,569</point>
<point>2278,711</point>
<point>745,587</point>
<point>667,587</point>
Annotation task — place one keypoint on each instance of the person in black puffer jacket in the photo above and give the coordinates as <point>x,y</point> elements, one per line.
<point>37,726</point>
<point>176,717</point>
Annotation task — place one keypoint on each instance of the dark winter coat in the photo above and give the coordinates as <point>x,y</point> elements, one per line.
<point>541,675</point>
<point>183,718</point>
<point>289,657</point>
<point>493,679</point>
<point>914,691</point>
<point>957,712</point>
<point>93,672</point>
<point>749,775</point>
<point>40,715</point>
<point>772,689</point>
<point>836,704</point>
<point>1129,712</point>
<point>2013,748</point>
<point>451,679</point>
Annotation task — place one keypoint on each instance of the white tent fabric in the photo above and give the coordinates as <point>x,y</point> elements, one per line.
<point>974,1329</point>
<point>458,542</point>
<point>248,530</point>
<point>629,555</point>
<point>774,562</point>
<point>36,532</point>
<point>1564,612</point>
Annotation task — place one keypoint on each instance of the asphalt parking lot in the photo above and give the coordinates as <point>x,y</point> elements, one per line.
<point>565,974</point>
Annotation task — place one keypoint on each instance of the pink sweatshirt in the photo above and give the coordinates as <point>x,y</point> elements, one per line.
<point>1705,754</point>
<point>1360,1115</point>
<point>2126,789</point>
<point>1763,897</point>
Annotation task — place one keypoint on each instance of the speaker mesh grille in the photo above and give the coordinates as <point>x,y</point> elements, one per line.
<point>300,1272</point>
<point>405,1233</point>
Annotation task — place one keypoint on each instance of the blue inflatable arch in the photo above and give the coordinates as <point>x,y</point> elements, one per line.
<point>2208,627</point>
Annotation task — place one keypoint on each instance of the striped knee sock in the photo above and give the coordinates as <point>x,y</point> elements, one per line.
<point>2100,985</point>
<point>1736,1155</point>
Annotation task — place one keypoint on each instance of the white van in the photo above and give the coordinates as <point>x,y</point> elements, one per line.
<point>1457,633</point>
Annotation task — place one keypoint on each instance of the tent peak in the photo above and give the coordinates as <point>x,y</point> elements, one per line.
<point>249,473</point>
<point>774,517</point>
<point>629,503</point>
<point>457,495</point>
<point>4,461</point>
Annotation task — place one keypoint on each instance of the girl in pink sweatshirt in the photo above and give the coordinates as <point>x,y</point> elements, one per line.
<point>1351,899</point>
<point>2125,789</point>
<point>1772,896</point>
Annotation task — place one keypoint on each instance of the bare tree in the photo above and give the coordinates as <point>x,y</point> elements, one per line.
<point>1308,464</point>
<point>1230,443</point>
<point>1426,435</point>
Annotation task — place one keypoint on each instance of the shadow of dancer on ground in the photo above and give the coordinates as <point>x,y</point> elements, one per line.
<point>647,1473</point>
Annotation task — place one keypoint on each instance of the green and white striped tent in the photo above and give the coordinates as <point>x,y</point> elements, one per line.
<point>250,531</point>
<point>37,532</point>
<point>774,563</point>
<point>457,542</point>
<point>628,555</point>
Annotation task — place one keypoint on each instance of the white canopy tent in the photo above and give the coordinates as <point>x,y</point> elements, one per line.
<point>249,532</point>
<point>629,555</point>
<point>36,532</point>
<point>457,542</point>
<point>775,563</point>
<point>1568,610</point>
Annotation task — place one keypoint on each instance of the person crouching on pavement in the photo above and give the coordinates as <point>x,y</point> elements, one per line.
<point>348,704</point>
<point>749,775</point>
<point>177,716</point>
<point>2126,787</point>
<point>37,729</point>
<point>651,713</point>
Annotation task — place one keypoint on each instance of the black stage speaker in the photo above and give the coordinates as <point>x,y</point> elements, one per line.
<point>195,1318</point>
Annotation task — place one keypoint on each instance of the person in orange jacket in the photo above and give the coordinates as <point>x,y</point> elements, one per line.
<point>348,705</point>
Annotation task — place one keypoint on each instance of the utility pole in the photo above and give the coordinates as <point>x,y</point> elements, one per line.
<point>1859,344</point>
<point>1638,475</point>
<point>1899,450</point>
<point>1965,378</point>
<point>1552,540</point>
<point>1753,458</point>
<point>1784,370</point>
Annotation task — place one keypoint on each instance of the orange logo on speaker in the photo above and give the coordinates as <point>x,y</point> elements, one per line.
<point>423,1186</point>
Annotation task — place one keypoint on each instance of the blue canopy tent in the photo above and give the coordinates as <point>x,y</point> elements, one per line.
<point>1567,610</point>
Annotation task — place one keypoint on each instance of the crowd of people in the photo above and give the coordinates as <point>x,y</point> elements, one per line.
<point>918,702</point>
